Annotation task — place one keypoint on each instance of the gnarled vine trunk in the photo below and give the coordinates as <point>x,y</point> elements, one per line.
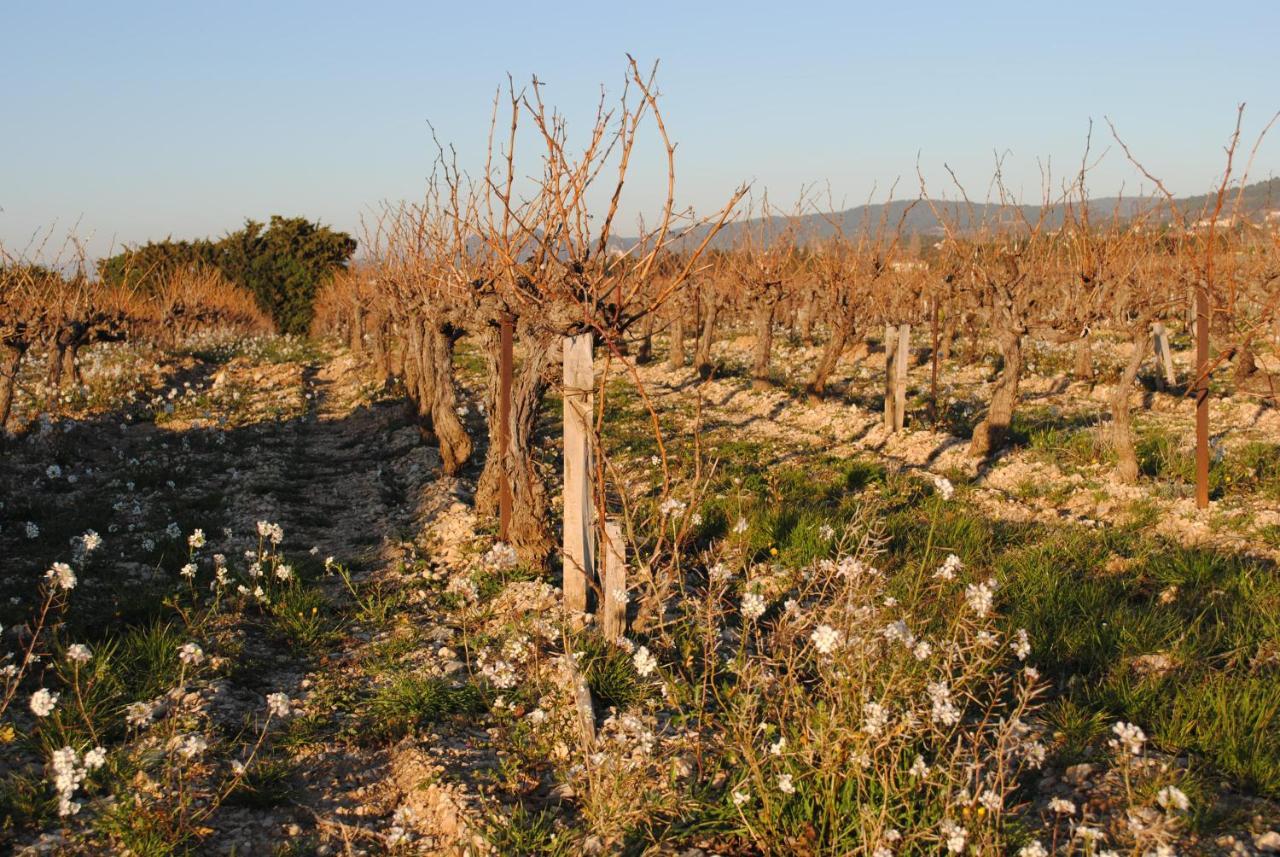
<point>831,352</point>
<point>990,434</point>
<point>1083,369</point>
<point>675,352</point>
<point>706,336</point>
<point>762,325</point>
<point>530,533</point>
<point>1121,417</point>
<point>10,363</point>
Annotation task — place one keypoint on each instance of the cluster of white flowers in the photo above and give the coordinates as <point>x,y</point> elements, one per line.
<point>1173,798</point>
<point>272,532</point>
<point>33,531</point>
<point>950,566</point>
<point>68,773</point>
<point>43,701</point>
<point>86,544</point>
<point>979,596</point>
<point>78,653</point>
<point>874,718</point>
<point>740,526</point>
<point>196,540</point>
<point>1033,849</point>
<point>671,506</point>
<point>278,705</point>
<point>785,784</point>
<point>498,672</point>
<point>943,486</point>
<point>645,662</point>
<point>60,576</point>
<point>825,639</point>
<point>1021,644</point>
<point>1062,806</point>
<point>898,632</point>
<point>944,711</point>
<point>192,654</point>
<point>1129,738</point>
<point>189,746</point>
<point>826,532</point>
<point>139,714</point>
<point>464,587</point>
<point>719,573</point>
<point>753,606</point>
<point>953,835</point>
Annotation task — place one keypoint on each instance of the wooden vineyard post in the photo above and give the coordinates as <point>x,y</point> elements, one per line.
<point>933,371</point>
<point>579,404</point>
<point>1164,357</point>
<point>901,365</point>
<point>505,370</point>
<point>613,617</point>
<point>897,351</point>
<point>890,372</point>
<point>1202,394</point>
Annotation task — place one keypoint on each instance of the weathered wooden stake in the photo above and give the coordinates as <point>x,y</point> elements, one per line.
<point>505,370</point>
<point>901,365</point>
<point>1202,394</point>
<point>579,405</point>
<point>1164,357</point>
<point>897,356</point>
<point>890,373</point>
<point>613,618</point>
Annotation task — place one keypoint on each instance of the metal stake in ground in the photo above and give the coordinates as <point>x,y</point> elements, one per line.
<point>579,535</point>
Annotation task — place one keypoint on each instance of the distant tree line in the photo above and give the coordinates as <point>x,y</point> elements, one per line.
<point>282,264</point>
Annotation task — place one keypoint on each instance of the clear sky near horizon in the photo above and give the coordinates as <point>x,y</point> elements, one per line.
<point>130,121</point>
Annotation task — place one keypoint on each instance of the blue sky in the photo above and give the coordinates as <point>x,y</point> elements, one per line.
<point>132,121</point>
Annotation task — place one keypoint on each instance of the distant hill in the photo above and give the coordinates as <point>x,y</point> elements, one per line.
<point>921,219</point>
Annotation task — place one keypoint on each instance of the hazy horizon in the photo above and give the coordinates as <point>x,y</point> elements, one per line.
<point>139,123</point>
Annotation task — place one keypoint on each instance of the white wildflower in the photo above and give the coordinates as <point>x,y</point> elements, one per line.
<point>979,597</point>
<point>753,606</point>
<point>949,567</point>
<point>953,835</point>
<point>61,576</point>
<point>785,785</point>
<point>43,702</point>
<point>943,486</point>
<point>645,662</point>
<point>196,540</point>
<point>278,705</point>
<point>1173,798</point>
<point>192,745</point>
<point>874,718</point>
<point>190,653</point>
<point>79,653</point>
<point>825,639</point>
<point>1062,806</point>
<point>1129,738</point>
<point>1021,644</point>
